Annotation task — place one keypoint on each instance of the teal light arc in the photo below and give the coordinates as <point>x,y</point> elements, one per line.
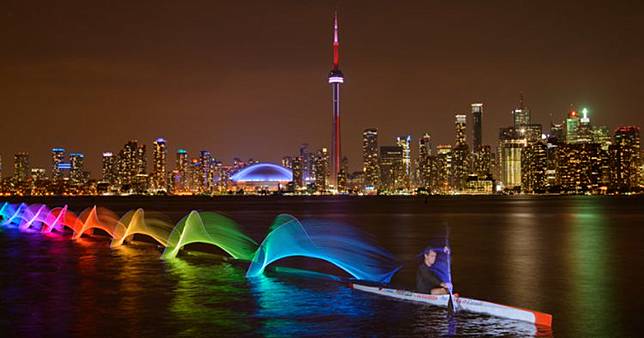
<point>341,246</point>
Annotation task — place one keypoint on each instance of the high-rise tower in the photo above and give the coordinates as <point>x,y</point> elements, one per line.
<point>477,135</point>
<point>335,79</point>
<point>159,154</point>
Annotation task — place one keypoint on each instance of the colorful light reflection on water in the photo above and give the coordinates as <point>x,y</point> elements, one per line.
<point>56,286</point>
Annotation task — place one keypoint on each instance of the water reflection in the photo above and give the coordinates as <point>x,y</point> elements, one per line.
<point>209,296</point>
<point>592,273</point>
<point>523,257</point>
<point>295,307</point>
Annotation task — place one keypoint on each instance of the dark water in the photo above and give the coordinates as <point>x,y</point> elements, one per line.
<point>578,258</point>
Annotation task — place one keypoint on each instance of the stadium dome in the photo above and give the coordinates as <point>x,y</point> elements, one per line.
<point>263,172</point>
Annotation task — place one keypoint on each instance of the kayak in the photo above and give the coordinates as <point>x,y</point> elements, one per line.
<point>463,304</point>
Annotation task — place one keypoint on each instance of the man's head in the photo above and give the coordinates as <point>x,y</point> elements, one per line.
<point>430,257</point>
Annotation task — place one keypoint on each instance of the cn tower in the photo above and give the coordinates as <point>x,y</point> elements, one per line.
<point>335,79</point>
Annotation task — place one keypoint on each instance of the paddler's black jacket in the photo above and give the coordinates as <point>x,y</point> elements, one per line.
<point>426,279</point>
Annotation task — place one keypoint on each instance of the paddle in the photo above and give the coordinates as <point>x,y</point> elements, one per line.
<point>451,306</point>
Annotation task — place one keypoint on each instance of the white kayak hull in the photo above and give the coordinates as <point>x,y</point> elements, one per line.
<point>463,304</point>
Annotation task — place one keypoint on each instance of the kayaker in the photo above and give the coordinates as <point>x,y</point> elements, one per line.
<point>426,280</point>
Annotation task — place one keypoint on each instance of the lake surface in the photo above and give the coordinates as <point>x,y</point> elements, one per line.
<point>579,258</point>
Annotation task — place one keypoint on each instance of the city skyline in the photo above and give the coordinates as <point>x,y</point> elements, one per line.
<point>93,104</point>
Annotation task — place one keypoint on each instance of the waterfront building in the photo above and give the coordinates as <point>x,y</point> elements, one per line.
<point>57,157</point>
<point>424,161</point>
<point>392,170</point>
<point>461,155</point>
<point>441,168</point>
<point>580,168</point>
<point>108,169</point>
<point>77,172</point>
<point>572,125</point>
<point>477,126</point>
<point>482,161</point>
<point>322,171</point>
<point>625,160</point>
<point>159,164</point>
<point>297,167</point>
<point>370,159</point>
<point>21,167</point>
<point>511,144</point>
<point>404,142</point>
<point>534,165</point>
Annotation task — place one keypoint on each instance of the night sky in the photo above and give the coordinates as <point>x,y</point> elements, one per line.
<point>249,78</point>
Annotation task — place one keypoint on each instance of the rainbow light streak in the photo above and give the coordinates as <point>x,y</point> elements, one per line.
<point>16,214</point>
<point>210,228</point>
<point>54,220</point>
<point>341,246</point>
<point>100,218</point>
<point>35,215</point>
<point>136,222</point>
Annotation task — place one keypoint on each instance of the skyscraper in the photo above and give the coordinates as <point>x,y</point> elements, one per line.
<point>76,172</point>
<point>521,114</point>
<point>424,158</point>
<point>108,168</point>
<point>182,168</point>
<point>625,159</point>
<point>131,162</point>
<point>21,167</point>
<point>322,170</point>
<point>442,169</point>
<point>461,154</point>
<point>206,159</point>
<point>477,135</point>
<point>572,125</point>
<point>57,157</point>
<point>534,163</point>
<point>335,79</point>
<point>392,170</point>
<point>298,178</point>
<point>159,160</point>
<point>370,165</point>
<point>404,142</point>
<point>510,146</point>
<point>461,121</point>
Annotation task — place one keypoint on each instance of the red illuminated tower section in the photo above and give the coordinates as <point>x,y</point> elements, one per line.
<point>335,79</point>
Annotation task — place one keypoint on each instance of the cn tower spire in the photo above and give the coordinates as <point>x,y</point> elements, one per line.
<point>336,42</point>
<point>335,79</point>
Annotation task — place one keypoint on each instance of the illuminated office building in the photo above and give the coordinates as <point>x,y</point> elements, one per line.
<point>57,157</point>
<point>534,165</point>
<point>297,166</point>
<point>477,126</point>
<point>424,161</point>
<point>460,155</point>
<point>159,164</point>
<point>321,169</point>
<point>77,169</point>
<point>392,169</point>
<point>108,169</point>
<point>572,125</point>
<point>207,174</point>
<point>625,160</point>
<point>442,169</point>
<point>21,167</point>
<point>511,144</point>
<point>404,142</point>
<point>370,158</point>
